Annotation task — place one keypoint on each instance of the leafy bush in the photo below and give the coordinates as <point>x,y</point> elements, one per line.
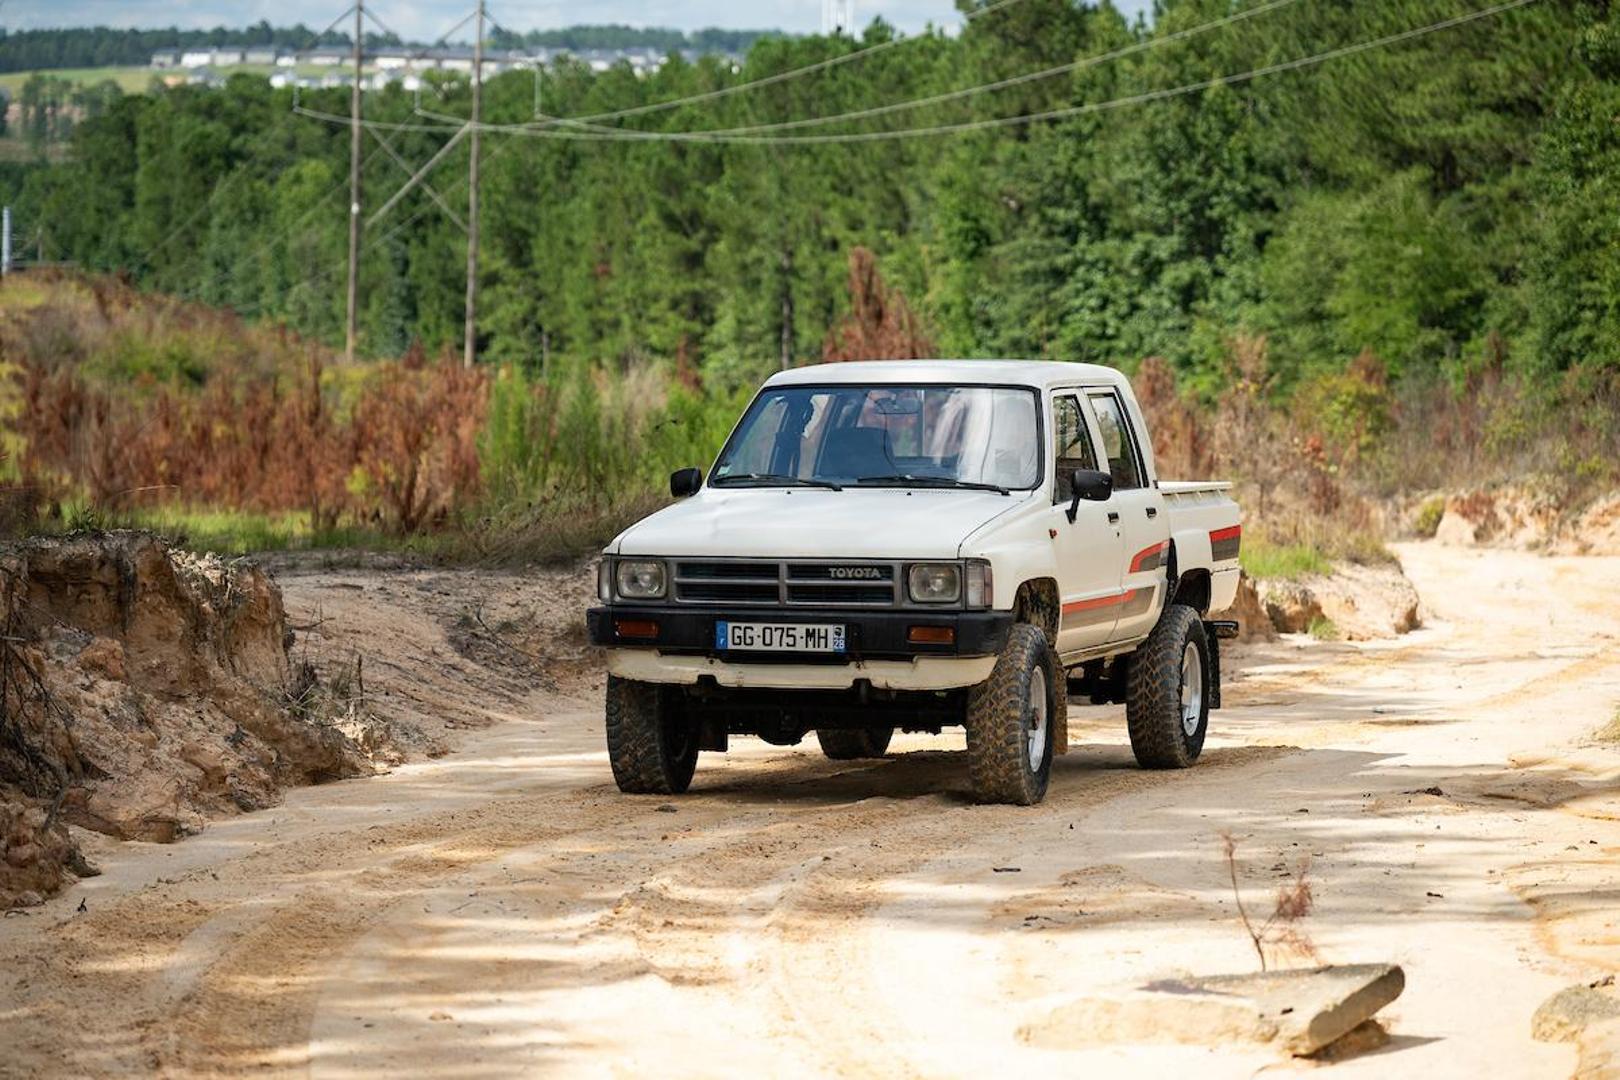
<point>1429,515</point>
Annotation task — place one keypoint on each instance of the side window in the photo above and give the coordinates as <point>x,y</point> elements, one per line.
<point>1074,449</point>
<point>1123,462</point>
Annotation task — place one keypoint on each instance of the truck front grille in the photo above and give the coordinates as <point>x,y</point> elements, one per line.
<point>788,583</point>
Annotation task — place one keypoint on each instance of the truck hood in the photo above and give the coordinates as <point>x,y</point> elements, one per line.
<point>786,523</point>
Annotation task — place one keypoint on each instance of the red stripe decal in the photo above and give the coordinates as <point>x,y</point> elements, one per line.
<point>1145,554</point>
<point>1098,601</point>
<point>1226,534</point>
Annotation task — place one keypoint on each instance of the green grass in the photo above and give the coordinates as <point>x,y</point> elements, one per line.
<point>1323,628</point>
<point>1281,562</point>
<point>550,534</point>
<point>136,78</point>
<point>1429,515</point>
<point>131,80</point>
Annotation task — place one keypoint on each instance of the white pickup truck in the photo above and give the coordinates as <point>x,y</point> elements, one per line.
<point>917,545</point>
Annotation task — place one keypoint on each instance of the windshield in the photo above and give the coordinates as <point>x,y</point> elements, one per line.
<point>886,436</point>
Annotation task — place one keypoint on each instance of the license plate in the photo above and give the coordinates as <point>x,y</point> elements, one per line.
<point>779,637</point>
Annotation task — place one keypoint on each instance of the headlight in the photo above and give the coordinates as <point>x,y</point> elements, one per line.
<point>934,583</point>
<point>981,584</point>
<point>639,579</point>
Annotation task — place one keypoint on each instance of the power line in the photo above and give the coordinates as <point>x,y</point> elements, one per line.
<point>947,96</point>
<point>1016,80</point>
<point>771,80</point>
<point>625,135</point>
<point>229,180</point>
<point>261,251</point>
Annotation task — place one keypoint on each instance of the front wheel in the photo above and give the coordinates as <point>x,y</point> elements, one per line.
<point>652,745</point>
<point>1011,718</point>
<point>842,744</point>
<point>1167,693</point>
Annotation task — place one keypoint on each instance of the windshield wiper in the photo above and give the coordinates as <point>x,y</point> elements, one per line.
<point>777,478</point>
<point>935,481</point>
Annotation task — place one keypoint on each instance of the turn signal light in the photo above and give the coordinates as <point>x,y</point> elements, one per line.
<point>932,635</point>
<point>635,628</point>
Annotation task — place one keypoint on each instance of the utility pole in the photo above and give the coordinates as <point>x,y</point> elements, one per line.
<point>471,346</point>
<point>354,188</point>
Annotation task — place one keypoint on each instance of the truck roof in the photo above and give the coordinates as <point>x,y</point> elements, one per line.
<point>1036,373</point>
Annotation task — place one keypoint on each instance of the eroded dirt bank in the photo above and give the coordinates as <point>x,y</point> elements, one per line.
<point>501,910</point>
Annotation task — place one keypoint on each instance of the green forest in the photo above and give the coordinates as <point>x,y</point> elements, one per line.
<point>1367,227</point>
<point>1418,200</point>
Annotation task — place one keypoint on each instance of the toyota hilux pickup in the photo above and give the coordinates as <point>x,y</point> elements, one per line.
<point>918,545</point>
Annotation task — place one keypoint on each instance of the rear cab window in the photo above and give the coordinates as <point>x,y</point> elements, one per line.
<point>1119,444</point>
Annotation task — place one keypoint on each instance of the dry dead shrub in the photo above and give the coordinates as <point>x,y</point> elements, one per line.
<point>880,325</point>
<point>1283,931</point>
<point>166,402</point>
<point>1182,445</point>
<point>415,430</point>
<point>1248,431</point>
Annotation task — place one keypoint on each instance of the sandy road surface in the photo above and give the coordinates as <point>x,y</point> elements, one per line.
<point>503,911</point>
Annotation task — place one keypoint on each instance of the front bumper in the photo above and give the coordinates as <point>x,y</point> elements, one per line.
<point>877,651</point>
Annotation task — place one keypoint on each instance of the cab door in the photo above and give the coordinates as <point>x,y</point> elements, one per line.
<point>1090,549</point>
<point>1144,525</point>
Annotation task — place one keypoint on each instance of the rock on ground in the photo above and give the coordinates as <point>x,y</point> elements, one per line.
<point>1361,601</point>
<point>145,689</point>
<point>1589,1016</point>
<point>1302,1011</point>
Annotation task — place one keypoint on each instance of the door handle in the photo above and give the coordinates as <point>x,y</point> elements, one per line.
<point>1113,517</point>
<point>1152,512</point>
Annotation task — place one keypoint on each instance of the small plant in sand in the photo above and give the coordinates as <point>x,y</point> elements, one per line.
<point>1282,932</point>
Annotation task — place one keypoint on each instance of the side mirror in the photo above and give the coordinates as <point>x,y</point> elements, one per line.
<point>684,482</point>
<point>1090,485</point>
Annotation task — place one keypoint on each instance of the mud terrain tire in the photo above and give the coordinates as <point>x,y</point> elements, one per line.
<point>652,746</point>
<point>1167,692</point>
<point>849,745</point>
<point>1011,717</point>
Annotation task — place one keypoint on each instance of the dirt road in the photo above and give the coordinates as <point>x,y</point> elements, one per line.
<point>503,911</point>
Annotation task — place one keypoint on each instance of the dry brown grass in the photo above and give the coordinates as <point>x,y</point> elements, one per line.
<point>127,400</point>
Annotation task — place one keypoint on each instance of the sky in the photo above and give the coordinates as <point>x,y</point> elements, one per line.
<point>427,19</point>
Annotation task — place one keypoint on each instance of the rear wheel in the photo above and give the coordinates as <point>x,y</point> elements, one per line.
<point>652,744</point>
<point>1010,721</point>
<point>1167,700</point>
<point>843,744</point>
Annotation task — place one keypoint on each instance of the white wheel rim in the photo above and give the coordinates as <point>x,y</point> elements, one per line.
<point>1037,718</point>
<point>1192,690</point>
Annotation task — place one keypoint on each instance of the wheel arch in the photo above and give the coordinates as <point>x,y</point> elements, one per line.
<point>1193,587</point>
<point>1039,603</point>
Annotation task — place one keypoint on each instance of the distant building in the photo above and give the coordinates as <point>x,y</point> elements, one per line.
<point>401,65</point>
<point>325,55</point>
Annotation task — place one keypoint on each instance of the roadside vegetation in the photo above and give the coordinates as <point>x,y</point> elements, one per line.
<point>1344,287</point>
